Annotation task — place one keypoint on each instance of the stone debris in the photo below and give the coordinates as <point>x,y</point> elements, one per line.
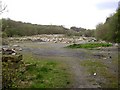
<point>13,53</point>
<point>15,45</point>
<point>95,74</point>
<point>104,58</point>
<point>99,56</point>
<point>8,51</point>
<point>116,44</point>
<point>12,58</point>
<point>11,50</point>
<point>55,38</point>
<point>20,49</point>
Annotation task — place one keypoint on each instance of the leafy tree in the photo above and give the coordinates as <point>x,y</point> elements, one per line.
<point>109,30</point>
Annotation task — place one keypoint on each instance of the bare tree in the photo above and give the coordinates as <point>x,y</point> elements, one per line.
<point>2,7</point>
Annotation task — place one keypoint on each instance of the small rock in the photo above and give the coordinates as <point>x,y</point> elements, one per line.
<point>95,74</point>
<point>104,58</point>
<point>13,53</point>
<point>13,50</point>
<point>20,49</point>
<point>15,45</point>
<point>116,44</point>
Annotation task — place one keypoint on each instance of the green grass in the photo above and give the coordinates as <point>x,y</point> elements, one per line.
<point>92,65</point>
<point>102,71</point>
<point>89,45</point>
<point>44,74</point>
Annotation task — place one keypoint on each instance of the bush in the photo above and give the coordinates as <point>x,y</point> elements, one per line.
<point>109,30</point>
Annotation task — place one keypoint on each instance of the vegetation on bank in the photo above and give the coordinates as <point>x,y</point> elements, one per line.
<point>110,30</point>
<point>89,45</point>
<point>37,73</point>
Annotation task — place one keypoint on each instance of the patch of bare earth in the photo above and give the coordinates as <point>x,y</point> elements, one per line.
<point>73,57</point>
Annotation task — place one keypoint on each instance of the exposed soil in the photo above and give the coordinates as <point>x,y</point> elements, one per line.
<point>72,58</point>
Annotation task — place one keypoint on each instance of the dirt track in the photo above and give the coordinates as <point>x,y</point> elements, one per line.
<point>72,58</point>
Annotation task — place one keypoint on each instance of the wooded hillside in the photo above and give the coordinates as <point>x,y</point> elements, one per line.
<point>17,28</point>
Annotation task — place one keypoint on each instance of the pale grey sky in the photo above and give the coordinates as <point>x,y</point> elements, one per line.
<point>79,13</point>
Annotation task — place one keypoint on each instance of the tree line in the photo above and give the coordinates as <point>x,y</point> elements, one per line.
<point>11,28</point>
<point>108,31</point>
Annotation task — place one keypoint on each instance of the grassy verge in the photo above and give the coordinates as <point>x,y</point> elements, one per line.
<point>89,45</point>
<point>101,70</point>
<point>43,74</point>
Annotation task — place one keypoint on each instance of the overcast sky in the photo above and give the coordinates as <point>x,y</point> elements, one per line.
<point>79,13</point>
